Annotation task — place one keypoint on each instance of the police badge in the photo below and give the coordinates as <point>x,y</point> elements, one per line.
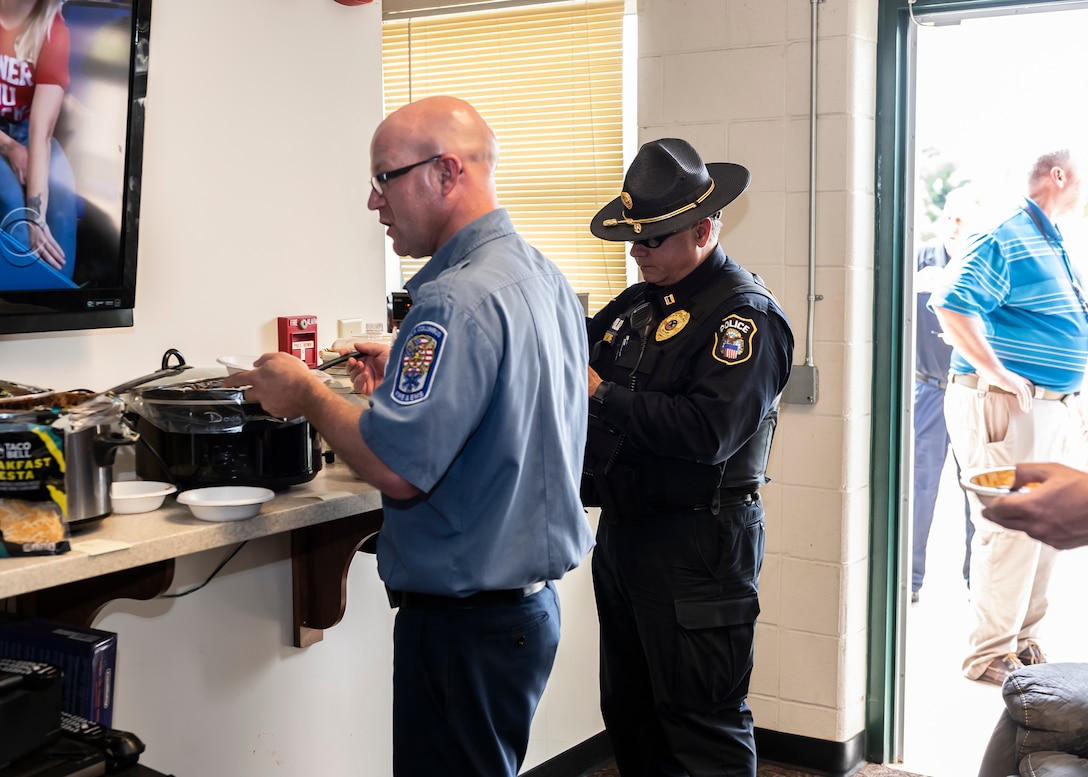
<point>734,340</point>
<point>672,325</point>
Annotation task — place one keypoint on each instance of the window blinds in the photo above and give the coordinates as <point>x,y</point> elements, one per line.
<point>548,79</point>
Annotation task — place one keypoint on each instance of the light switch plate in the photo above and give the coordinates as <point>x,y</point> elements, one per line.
<point>349,327</point>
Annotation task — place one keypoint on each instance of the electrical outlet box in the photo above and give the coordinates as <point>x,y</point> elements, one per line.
<point>803,387</point>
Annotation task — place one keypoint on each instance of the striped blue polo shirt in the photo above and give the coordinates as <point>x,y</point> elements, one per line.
<point>1018,279</point>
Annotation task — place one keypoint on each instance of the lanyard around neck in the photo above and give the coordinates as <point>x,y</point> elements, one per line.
<point>1060,252</point>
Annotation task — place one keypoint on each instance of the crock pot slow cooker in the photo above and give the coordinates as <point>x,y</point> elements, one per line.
<point>57,448</point>
<point>197,433</point>
<point>61,452</point>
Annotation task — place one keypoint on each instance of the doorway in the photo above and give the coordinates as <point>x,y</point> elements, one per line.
<point>968,92</point>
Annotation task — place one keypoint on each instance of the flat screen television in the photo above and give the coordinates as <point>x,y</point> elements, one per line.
<point>80,271</point>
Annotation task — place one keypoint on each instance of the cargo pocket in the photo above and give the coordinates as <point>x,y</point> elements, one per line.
<point>714,650</point>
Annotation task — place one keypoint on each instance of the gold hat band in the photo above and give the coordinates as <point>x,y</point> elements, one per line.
<point>636,224</point>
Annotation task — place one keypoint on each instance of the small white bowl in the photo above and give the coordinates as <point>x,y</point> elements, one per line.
<point>237,363</point>
<point>988,483</point>
<point>225,503</point>
<point>138,496</point>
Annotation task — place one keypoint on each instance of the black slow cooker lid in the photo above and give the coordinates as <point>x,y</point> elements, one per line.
<point>200,404</point>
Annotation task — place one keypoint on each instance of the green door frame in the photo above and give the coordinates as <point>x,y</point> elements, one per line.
<point>885,604</point>
<point>894,189</point>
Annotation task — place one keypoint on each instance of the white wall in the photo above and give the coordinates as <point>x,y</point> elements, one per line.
<point>256,168</point>
<point>259,119</point>
<point>733,77</point>
<point>256,176</point>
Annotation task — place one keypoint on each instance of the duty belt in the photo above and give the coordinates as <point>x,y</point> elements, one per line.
<point>721,499</point>
<point>971,381</point>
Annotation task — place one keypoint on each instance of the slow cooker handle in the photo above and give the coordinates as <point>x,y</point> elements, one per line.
<point>165,372</point>
<point>105,445</point>
<point>166,360</point>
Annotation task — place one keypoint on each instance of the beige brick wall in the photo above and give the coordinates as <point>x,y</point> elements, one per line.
<point>733,77</point>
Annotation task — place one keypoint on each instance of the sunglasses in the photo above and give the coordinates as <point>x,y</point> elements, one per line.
<point>378,181</point>
<point>654,242</point>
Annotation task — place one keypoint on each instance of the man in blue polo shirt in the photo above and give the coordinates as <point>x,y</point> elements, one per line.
<point>474,435</point>
<point>1014,311</point>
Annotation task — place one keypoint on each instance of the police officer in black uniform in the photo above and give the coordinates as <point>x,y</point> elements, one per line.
<point>685,374</point>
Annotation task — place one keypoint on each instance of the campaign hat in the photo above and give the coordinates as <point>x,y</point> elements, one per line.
<point>667,188</point>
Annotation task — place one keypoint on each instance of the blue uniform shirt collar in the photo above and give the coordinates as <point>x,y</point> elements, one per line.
<point>486,228</point>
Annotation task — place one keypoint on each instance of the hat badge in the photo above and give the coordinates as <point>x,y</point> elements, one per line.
<point>625,198</point>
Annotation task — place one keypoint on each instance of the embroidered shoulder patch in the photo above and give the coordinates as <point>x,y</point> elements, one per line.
<point>734,340</point>
<point>418,363</point>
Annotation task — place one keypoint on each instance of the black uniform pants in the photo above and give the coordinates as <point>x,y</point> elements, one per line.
<point>677,603</point>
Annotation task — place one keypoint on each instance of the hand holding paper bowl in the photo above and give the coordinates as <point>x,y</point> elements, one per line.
<point>989,483</point>
<point>1047,501</point>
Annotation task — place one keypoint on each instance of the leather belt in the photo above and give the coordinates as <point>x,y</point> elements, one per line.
<point>406,599</point>
<point>923,378</point>
<point>971,381</point>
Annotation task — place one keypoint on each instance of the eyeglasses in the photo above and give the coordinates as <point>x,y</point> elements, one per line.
<point>655,242</point>
<point>378,181</point>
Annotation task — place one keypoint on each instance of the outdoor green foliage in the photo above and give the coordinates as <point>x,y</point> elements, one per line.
<point>937,175</point>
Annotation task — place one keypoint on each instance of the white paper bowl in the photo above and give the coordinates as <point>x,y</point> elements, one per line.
<point>988,483</point>
<point>225,503</point>
<point>237,363</point>
<point>138,496</point>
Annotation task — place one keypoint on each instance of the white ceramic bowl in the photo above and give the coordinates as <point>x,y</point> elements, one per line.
<point>225,503</point>
<point>237,363</point>
<point>138,496</point>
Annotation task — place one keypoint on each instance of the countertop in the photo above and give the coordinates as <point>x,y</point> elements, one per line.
<point>119,542</point>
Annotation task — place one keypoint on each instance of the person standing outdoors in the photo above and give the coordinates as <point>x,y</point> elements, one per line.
<point>1014,311</point>
<point>933,357</point>
<point>686,370</point>
<point>474,435</point>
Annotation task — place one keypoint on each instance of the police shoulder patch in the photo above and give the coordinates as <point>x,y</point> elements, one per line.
<point>419,363</point>
<point>734,340</point>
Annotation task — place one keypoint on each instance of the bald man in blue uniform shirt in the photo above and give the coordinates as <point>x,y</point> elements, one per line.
<point>474,435</point>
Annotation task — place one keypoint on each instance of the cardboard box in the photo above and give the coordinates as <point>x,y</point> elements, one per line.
<point>87,657</point>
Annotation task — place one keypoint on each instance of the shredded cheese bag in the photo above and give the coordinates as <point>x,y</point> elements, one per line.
<point>32,528</point>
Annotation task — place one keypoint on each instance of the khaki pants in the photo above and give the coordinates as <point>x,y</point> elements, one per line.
<point>1010,572</point>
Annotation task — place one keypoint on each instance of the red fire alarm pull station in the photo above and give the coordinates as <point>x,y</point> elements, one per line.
<point>298,336</point>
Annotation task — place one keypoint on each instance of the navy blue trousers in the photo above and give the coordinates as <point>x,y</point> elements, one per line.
<point>677,603</point>
<point>930,451</point>
<point>466,683</point>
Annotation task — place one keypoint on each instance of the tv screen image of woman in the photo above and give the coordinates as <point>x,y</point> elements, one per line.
<point>38,203</point>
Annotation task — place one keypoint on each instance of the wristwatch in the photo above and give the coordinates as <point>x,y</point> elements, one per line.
<point>596,402</point>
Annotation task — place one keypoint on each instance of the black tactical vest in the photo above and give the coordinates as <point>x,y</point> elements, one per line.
<point>628,483</point>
